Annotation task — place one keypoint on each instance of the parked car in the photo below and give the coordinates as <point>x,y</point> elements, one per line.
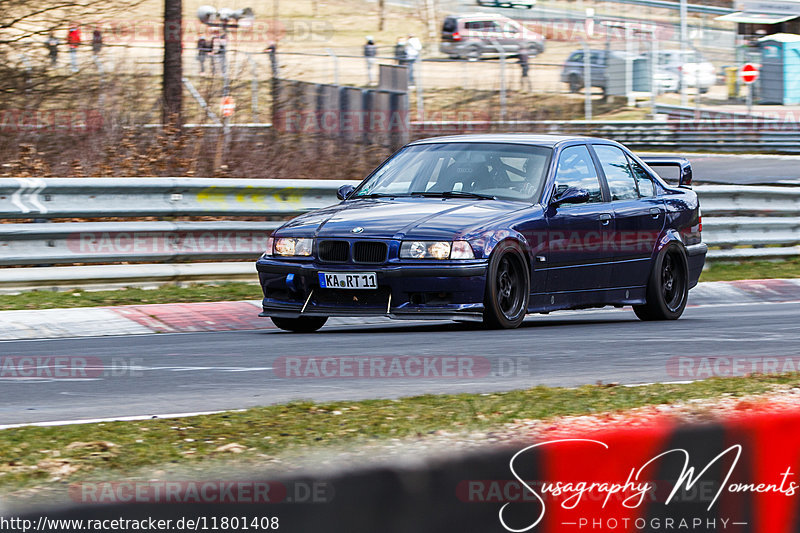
<point>666,78</point>
<point>490,228</point>
<point>573,70</point>
<point>528,4</point>
<point>697,72</point>
<point>478,34</point>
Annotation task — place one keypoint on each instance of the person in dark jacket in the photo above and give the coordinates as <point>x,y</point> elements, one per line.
<point>523,58</point>
<point>97,45</point>
<point>203,49</point>
<point>370,53</point>
<point>52,49</point>
<point>97,41</point>
<point>400,51</point>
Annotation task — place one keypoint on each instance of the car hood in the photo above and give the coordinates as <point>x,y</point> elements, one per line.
<point>429,218</point>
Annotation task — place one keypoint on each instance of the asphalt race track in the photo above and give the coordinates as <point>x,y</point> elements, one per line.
<point>181,373</point>
<point>727,168</point>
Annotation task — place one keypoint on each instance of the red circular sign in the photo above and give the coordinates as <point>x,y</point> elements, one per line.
<point>228,106</point>
<point>748,73</point>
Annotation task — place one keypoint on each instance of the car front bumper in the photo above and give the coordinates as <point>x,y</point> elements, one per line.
<point>454,290</point>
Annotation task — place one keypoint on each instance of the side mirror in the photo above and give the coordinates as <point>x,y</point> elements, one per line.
<point>344,191</point>
<point>571,195</point>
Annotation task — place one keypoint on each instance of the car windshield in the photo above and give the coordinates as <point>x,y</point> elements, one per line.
<point>474,170</point>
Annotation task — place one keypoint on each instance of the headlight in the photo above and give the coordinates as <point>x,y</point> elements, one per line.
<point>292,246</point>
<point>436,250</point>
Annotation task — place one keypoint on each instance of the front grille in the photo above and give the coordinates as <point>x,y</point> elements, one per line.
<point>334,251</point>
<point>370,252</point>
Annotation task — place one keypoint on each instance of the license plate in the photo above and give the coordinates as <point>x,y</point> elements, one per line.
<point>348,280</point>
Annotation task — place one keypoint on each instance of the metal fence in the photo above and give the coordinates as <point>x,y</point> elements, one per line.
<point>739,222</point>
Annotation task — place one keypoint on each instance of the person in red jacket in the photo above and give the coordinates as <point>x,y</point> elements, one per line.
<point>74,40</point>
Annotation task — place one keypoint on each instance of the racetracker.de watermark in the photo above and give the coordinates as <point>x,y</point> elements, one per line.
<point>700,367</point>
<point>67,367</point>
<point>341,121</point>
<point>47,120</point>
<point>202,491</point>
<point>265,31</point>
<point>402,367</point>
<point>145,242</point>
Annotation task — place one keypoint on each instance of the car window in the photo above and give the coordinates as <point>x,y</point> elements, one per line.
<point>509,27</point>
<point>576,169</point>
<point>643,180</point>
<point>505,171</point>
<point>400,181</point>
<point>618,174</point>
<point>575,57</point>
<point>598,58</point>
<point>481,25</point>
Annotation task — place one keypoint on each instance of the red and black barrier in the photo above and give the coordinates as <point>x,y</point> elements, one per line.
<point>739,474</point>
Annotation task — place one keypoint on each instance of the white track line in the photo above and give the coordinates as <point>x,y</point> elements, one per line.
<point>116,419</point>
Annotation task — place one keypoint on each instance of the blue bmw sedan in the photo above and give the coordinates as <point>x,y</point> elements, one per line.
<point>490,228</point>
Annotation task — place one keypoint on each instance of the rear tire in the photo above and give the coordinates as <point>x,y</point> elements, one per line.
<point>305,324</point>
<point>473,53</point>
<point>574,83</point>
<point>668,286</point>
<point>507,288</point>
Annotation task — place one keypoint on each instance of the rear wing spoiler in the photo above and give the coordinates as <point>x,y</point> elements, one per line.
<point>681,164</point>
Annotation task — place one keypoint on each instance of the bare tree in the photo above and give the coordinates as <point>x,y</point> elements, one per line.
<point>172,90</point>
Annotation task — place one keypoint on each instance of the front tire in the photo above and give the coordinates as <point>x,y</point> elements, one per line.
<point>507,288</point>
<point>305,324</point>
<point>668,286</point>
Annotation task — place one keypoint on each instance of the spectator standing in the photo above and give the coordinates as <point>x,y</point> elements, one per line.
<point>52,49</point>
<point>212,47</point>
<point>370,53</point>
<point>222,50</point>
<point>272,50</point>
<point>400,51</point>
<point>523,58</point>
<point>74,41</point>
<point>413,49</point>
<point>203,49</point>
<point>97,45</point>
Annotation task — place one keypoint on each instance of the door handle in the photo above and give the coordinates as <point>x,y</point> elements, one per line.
<point>605,219</point>
<point>655,212</point>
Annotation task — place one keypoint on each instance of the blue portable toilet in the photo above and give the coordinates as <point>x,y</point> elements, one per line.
<point>780,69</point>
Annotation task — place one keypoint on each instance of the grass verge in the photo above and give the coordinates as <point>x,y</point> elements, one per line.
<point>788,268</point>
<point>131,296</point>
<point>49,458</point>
<point>245,291</point>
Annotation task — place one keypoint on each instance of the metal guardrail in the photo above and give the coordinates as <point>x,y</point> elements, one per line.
<point>112,242</point>
<point>718,131</point>
<point>160,197</point>
<point>739,222</point>
<point>742,134</point>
